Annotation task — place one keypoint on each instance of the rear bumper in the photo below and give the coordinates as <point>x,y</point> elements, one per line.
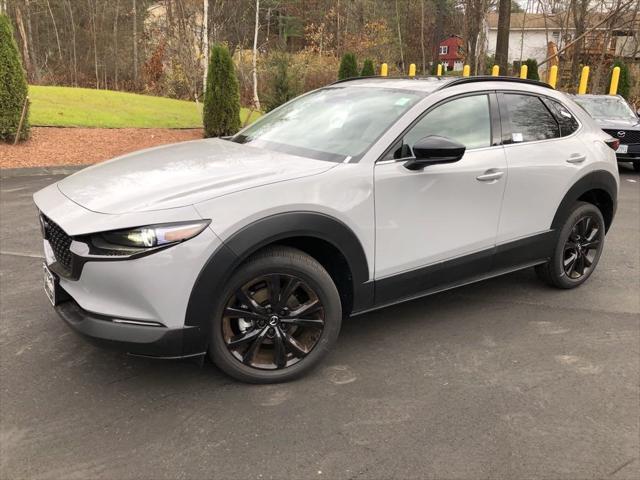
<point>142,340</point>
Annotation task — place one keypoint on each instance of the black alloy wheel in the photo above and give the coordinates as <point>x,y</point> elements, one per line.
<point>581,247</point>
<point>578,248</point>
<point>276,318</point>
<point>272,321</point>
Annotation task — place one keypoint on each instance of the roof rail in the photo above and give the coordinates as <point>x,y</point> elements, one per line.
<point>380,77</point>
<point>452,81</point>
<point>489,78</point>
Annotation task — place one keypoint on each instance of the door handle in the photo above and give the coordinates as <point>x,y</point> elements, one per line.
<point>490,175</point>
<point>576,158</point>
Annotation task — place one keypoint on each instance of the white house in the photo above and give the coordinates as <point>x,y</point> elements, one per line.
<point>531,33</point>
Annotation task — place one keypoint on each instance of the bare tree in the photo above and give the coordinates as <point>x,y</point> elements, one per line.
<point>135,42</point>
<point>205,42</point>
<point>55,29</point>
<point>399,37</point>
<point>254,59</point>
<point>424,60</point>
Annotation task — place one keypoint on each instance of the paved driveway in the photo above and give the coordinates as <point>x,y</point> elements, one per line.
<point>502,379</point>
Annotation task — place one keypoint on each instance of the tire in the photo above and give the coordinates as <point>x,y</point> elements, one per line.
<point>636,166</point>
<point>573,262</point>
<point>258,335</point>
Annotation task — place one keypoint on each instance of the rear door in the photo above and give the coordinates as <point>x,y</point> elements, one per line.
<point>544,154</point>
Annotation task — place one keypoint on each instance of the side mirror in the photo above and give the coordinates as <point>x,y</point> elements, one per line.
<point>434,149</point>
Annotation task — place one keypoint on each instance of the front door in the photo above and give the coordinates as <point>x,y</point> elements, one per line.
<point>443,213</point>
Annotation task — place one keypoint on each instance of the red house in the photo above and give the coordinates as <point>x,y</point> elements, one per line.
<point>451,52</point>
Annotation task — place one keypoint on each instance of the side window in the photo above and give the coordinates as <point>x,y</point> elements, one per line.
<point>568,123</point>
<point>530,119</point>
<point>465,120</point>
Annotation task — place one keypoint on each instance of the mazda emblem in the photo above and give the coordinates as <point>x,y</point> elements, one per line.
<point>621,134</point>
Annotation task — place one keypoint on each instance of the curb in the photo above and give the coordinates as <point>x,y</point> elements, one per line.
<point>38,171</point>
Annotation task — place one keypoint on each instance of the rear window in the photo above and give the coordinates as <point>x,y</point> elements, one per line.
<point>530,119</point>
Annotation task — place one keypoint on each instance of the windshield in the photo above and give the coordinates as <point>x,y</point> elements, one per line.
<point>606,107</point>
<point>336,124</point>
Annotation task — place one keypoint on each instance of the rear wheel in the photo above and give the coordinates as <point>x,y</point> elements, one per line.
<point>636,166</point>
<point>278,316</point>
<point>577,250</point>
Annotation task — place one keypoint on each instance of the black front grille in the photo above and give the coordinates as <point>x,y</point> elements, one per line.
<point>60,242</point>
<point>630,136</point>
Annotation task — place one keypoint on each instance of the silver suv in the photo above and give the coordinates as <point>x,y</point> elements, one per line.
<point>356,196</point>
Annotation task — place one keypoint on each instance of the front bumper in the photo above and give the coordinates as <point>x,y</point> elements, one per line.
<point>632,155</point>
<point>151,289</point>
<point>143,340</point>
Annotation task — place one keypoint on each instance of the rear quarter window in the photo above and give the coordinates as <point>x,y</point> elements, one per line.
<point>567,122</point>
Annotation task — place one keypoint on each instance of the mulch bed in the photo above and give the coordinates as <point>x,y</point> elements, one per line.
<point>50,146</point>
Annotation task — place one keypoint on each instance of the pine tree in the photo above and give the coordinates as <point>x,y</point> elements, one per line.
<point>348,67</point>
<point>281,84</point>
<point>13,86</point>
<point>367,69</point>
<point>532,69</point>
<point>221,114</point>
<point>624,83</point>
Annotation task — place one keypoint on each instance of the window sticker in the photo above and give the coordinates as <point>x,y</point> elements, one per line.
<point>516,137</point>
<point>402,101</point>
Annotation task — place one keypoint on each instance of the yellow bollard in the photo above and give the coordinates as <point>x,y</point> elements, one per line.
<point>439,71</point>
<point>553,76</point>
<point>584,80</point>
<point>412,70</point>
<point>384,69</point>
<point>466,71</point>
<point>524,70</point>
<point>615,78</point>
<point>495,71</point>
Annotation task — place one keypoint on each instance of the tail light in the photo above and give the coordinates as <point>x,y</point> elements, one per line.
<point>614,143</point>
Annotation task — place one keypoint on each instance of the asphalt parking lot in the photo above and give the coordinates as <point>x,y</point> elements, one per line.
<point>502,379</point>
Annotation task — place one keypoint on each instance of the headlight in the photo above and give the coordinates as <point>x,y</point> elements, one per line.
<point>153,235</point>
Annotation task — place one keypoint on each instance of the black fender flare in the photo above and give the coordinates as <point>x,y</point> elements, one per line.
<point>251,238</point>
<point>596,180</point>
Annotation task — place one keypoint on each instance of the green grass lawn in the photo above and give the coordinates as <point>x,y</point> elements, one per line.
<point>85,107</point>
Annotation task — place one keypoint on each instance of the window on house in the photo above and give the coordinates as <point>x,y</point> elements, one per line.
<point>444,49</point>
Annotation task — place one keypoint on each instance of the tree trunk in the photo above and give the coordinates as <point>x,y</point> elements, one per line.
<point>424,59</point>
<point>256,100</point>
<point>55,29</point>
<point>116,56</point>
<point>205,42</point>
<point>73,44</point>
<point>92,22</point>
<point>135,42</point>
<point>23,35</point>
<point>579,11</point>
<point>399,37</point>
<point>502,41</point>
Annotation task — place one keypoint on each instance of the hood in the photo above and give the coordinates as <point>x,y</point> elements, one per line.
<point>618,123</point>
<point>182,174</point>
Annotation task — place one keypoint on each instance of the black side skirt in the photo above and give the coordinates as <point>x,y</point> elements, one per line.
<point>488,263</point>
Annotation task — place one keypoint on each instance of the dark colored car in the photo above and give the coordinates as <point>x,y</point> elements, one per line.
<point>617,118</point>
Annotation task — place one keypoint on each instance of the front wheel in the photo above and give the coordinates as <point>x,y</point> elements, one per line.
<point>278,316</point>
<point>577,250</point>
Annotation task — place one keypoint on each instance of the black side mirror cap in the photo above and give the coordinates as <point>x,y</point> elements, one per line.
<point>434,149</point>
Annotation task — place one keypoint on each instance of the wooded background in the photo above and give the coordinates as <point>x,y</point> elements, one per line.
<point>160,47</point>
